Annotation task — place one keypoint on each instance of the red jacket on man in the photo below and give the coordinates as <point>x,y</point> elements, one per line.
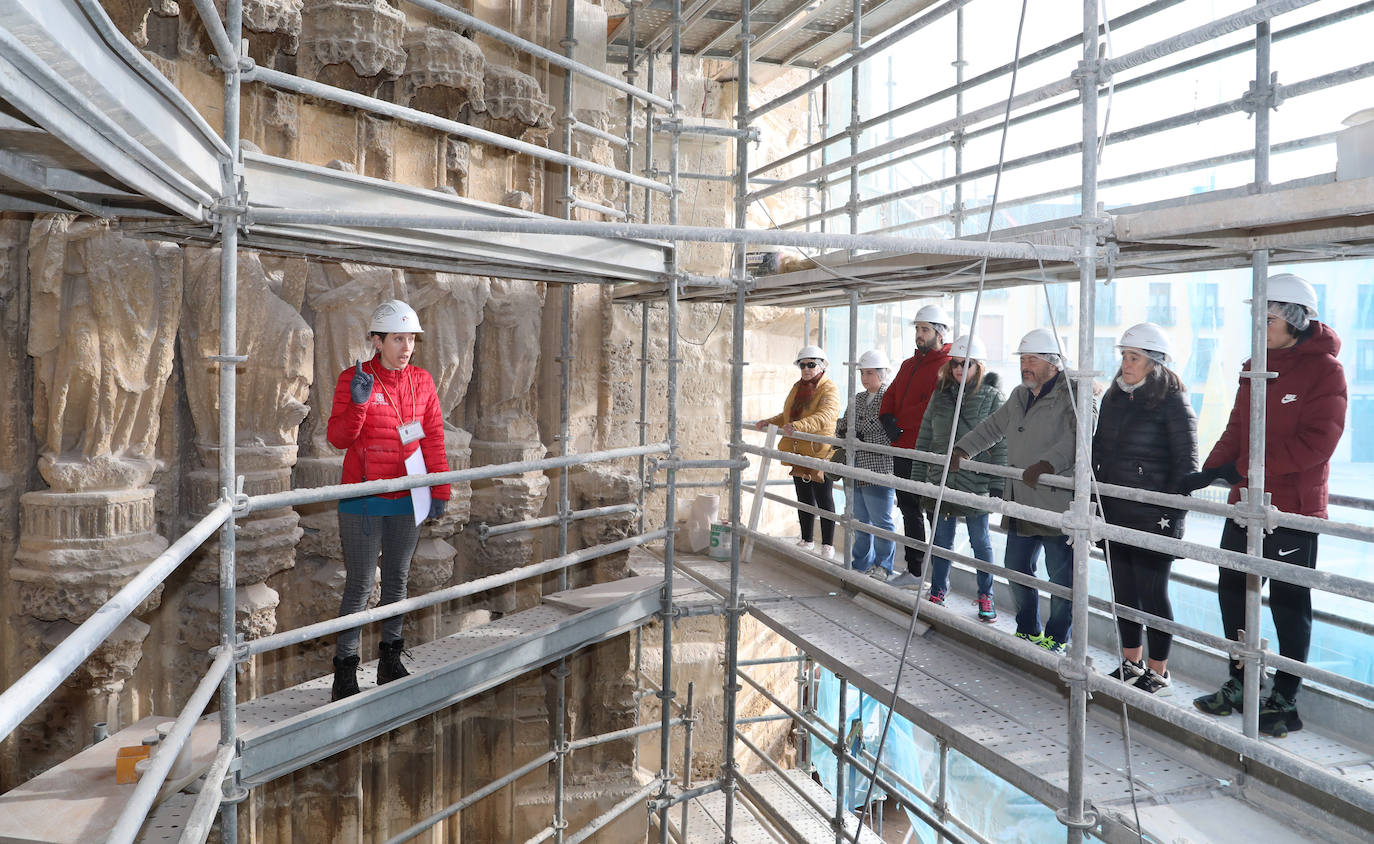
<point>1305,415</point>
<point>909,393</point>
<point>368,432</point>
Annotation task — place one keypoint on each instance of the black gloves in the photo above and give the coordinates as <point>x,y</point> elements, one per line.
<point>956,457</point>
<point>436,508</point>
<point>1033,472</point>
<point>889,423</point>
<point>1204,478</point>
<point>361,386</point>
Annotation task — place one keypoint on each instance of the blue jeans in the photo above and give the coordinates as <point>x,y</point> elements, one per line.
<point>1022,552</point>
<point>873,506</point>
<point>977,526</point>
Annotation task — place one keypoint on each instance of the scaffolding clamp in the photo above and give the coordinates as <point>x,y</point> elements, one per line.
<point>1088,821</point>
<point>1268,97</point>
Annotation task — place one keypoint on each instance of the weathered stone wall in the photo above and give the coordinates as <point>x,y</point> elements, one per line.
<point>109,417</point>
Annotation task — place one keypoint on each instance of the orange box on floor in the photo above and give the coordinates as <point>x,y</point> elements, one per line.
<point>126,759</point>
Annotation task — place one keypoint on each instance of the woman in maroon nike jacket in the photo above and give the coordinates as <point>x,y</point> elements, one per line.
<point>384,411</point>
<point>1304,416</point>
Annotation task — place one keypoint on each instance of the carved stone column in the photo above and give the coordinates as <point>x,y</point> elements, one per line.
<point>103,316</point>
<point>505,432</point>
<point>273,385</point>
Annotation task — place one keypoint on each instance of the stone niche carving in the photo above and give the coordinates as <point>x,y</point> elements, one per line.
<point>444,72</point>
<point>457,161</point>
<point>352,44</point>
<point>515,105</point>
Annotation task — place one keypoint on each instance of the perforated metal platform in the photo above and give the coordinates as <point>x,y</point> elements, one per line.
<point>1012,721</point>
<point>289,729</point>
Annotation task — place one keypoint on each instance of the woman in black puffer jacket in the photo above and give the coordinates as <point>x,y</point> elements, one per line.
<point>1146,438</point>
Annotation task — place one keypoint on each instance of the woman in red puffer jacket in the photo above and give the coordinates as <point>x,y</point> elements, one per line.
<point>385,410</point>
<point>1304,417</point>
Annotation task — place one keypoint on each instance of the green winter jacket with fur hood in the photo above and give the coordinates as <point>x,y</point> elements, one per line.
<point>934,436</point>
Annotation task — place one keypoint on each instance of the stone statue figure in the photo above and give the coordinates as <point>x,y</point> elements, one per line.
<point>513,316</point>
<point>453,303</point>
<point>273,384</point>
<point>104,310</point>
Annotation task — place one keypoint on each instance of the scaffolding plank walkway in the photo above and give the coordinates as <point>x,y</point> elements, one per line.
<point>1011,722</point>
<point>289,729</point>
<point>769,811</point>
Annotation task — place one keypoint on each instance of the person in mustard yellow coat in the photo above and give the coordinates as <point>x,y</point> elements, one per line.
<point>812,407</point>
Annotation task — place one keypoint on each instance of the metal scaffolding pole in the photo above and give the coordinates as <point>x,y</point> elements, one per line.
<point>630,75</point>
<point>1074,667</point>
<point>670,503</point>
<point>841,754</point>
<point>854,131</point>
<point>734,606</point>
<point>851,434</point>
<point>956,212</point>
<point>228,360</point>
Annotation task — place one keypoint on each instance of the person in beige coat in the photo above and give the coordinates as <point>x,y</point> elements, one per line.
<point>812,407</point>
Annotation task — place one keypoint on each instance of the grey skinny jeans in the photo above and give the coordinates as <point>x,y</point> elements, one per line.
<point>363,537</point>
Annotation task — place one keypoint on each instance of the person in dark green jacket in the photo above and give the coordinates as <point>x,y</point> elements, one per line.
<point>982,396</point>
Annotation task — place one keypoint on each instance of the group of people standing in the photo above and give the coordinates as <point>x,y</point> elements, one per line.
<point>943,399</point>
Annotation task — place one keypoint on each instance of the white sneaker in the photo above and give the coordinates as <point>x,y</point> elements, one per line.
<point>879,573</point>
<point>828,552</point>
<point>806,545</point>
<point>904,580</point>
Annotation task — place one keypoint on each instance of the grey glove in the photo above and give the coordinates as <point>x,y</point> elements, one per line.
<point>436,508</point>
<point>361,386</point>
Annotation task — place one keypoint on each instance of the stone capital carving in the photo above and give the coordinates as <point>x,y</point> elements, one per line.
<point>444,72</point>
<point>353,44</point>
<point>515,104</point>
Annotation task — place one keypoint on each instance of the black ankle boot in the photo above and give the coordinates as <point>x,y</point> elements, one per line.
<point>345,677</point>
<point>389,667</point>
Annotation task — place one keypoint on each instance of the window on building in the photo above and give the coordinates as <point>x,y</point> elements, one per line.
<point>1364,316</point>
<point>1321,302</point>
<point>1206,306</point>
<point>1364,361</point>
<point>1362,429</point>
<point>1108,313</point>
<point>1203,350</point>
<point>1104,356</point>
<point>1058,295</point>
<point>1160,310</point>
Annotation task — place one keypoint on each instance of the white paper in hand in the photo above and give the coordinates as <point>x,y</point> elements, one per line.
<point>419,496</point>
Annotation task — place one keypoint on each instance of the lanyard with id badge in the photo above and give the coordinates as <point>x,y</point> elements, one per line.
<point>410,432</point>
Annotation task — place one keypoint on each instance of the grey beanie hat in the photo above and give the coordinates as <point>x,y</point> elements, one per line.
<point>1291,313</point>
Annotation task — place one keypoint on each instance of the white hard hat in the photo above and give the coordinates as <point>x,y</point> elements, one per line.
<point>873,359</point>
<point>970,347</point>
<point>1286,287</point>
<point>395,317</point>
<point>811,353</point>
<point>1149,337</point>
<point>933,314</point>
<point>1038,341</point>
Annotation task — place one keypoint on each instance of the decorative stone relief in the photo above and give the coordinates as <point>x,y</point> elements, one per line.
<point>504,392</point>
<point>130,17</point>
<point>378,143</point>
<point>273,29</point>
<point>457,159</point>
<point>273,120</point>
<point>352,44</point>
<point>273,385</point>
<point>444,72</point>
<point>515,105</point>
<point>103,318</point>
